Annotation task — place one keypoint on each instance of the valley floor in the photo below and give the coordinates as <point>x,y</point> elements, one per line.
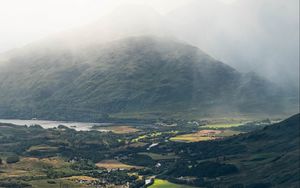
<point>171,153</point>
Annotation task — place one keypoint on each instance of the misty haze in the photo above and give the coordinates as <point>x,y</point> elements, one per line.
<point>140,93</point>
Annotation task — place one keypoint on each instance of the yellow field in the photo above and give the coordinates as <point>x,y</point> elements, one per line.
<point>42,148</point>
<point>204,135</point>
<point>85,178</point>
<point>191,138</point>
<point>36,163</point>
<point>123,129</point>
<point>30,166</point>
<point>114,165</point>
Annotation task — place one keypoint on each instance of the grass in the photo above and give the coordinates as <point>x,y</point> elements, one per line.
<point>25,167</point>
<point>34,167</point>
<point>114,165</point>
<point>204,135</point>
<point>152,135</point>
<point>42,148</point>
<point>156,156</point>
<point>191,138</point>
<point>137,144</point>
<point>36,163</point>
<point>56,183</point>
<point>123,129</point>
<point>158,183</point>
<point>85,178</point>
<point>227,133</point>
<point>221,126</point>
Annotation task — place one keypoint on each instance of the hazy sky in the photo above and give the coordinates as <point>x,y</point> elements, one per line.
<point>24,21</point>
<point>250,35</point>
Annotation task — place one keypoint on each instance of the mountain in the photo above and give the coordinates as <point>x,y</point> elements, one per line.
<point>132,75</point>
<point>263,158</point>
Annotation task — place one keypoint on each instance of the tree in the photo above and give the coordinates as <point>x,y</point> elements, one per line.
<point>12,159</point>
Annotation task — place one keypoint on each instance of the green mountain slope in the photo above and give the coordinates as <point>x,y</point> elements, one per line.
<point>139,74</point>
<point>264,158</point>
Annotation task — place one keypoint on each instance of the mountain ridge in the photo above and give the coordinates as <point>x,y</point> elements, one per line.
<point>135,74</point>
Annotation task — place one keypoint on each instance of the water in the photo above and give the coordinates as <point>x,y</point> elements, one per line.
<point>152,145</point>
<point>78,126</point>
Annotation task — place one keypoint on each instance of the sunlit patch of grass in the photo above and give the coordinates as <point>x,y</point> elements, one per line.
<point>42,148</point>
<point>191,138</point>
<point>158,183</point>
<point>152,135</point>
<point>204,135</point>
<point>122,129</point>
<point>84,178</point>
<point>221,126</point>
<point>31,166</point>
<point>114,165</point>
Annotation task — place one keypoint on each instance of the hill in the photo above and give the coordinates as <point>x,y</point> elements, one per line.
<point>148,75</point>
<point>263,158</point>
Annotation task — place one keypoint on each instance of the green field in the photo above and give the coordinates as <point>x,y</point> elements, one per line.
<point>158,183</point>
<point>221,126</point>
<point>204,135</point>
<point>191,138</point>
<point>114,164</point>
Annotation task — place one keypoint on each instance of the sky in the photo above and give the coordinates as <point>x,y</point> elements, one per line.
<point>24,21</point>
<point>250,35</point>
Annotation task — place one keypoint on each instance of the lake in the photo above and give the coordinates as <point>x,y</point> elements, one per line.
<point>78,126</point>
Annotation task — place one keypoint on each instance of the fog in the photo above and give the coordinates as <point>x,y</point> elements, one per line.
<point>250,35</point>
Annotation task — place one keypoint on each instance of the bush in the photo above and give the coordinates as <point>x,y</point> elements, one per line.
<point>259,185</point>
<point>51,182</point>
<point>238,185</point>
<point>204,169</point>
<point>12,159</point>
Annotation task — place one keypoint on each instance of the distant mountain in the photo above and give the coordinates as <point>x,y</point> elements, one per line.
<point>264,158</point>
<point>132,75</point>
<point>256,35</point>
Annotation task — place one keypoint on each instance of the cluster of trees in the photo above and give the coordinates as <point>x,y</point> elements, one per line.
<point>11,159</point>
<point>204,169</point>
<point>14,184</point>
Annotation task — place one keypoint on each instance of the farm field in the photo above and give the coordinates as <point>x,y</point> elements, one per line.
<point>221,126</point>
<point>85,159</point>
<point>152,135</point>
<point>204,135</point>
<point>123,129</point>
<point>114,165</point>
<point>191,138</point>
<point>42,148</point>
<point>158,183</point>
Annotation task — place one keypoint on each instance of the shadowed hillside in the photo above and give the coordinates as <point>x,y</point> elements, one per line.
<point>263,158</point>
